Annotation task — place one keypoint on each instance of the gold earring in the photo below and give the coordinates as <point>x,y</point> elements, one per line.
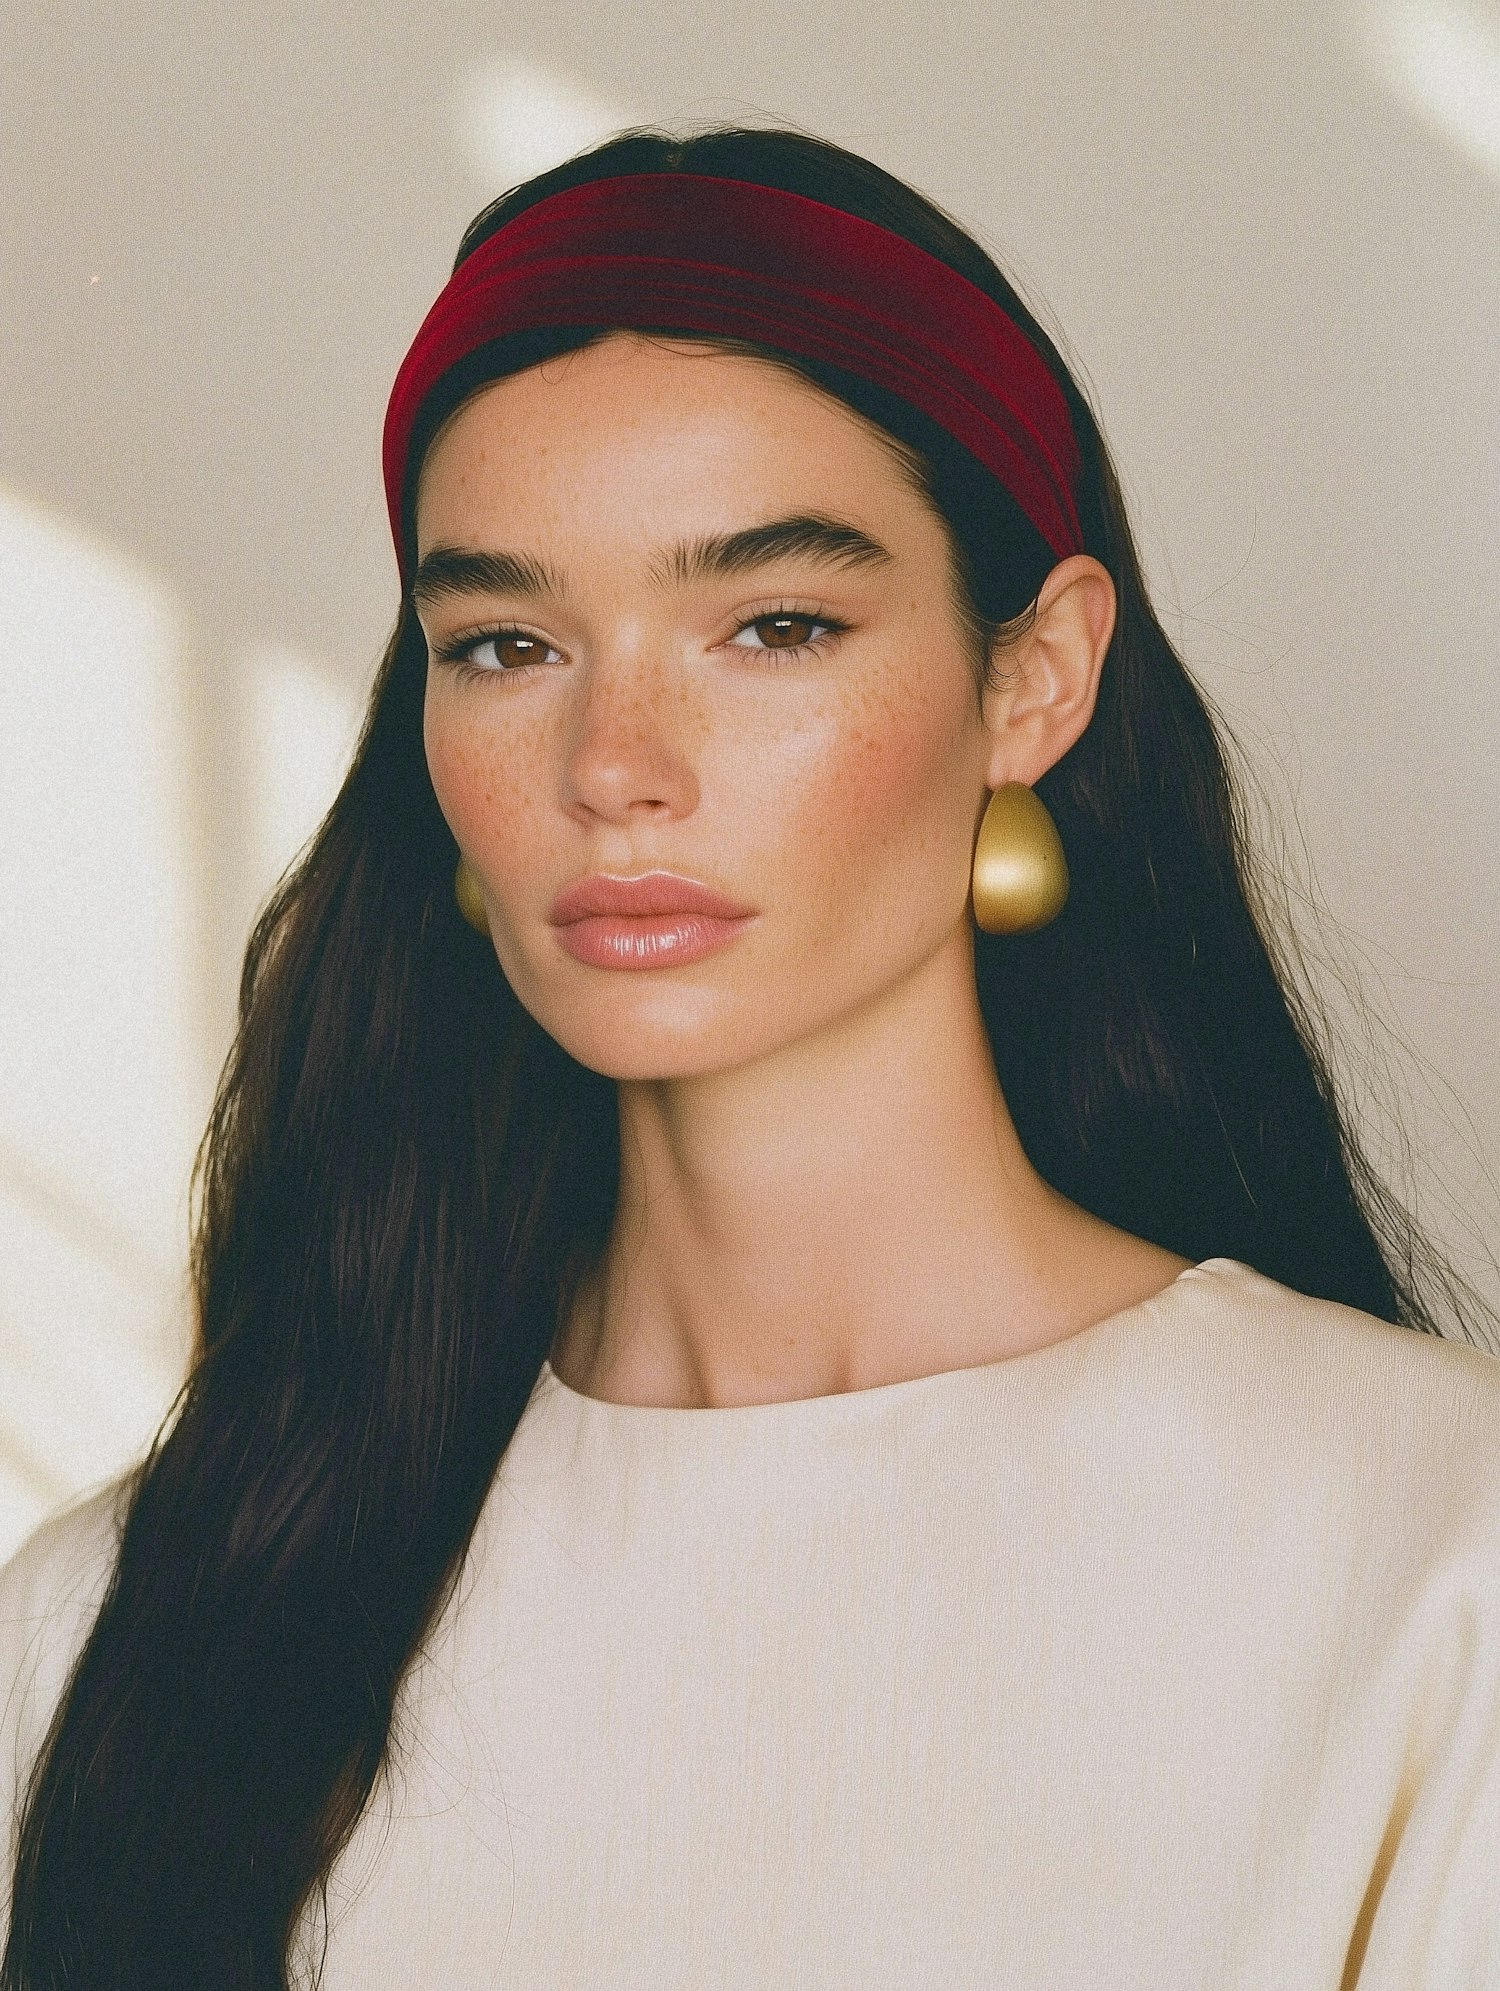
<point>1020,874</point>
<point>470,898</point>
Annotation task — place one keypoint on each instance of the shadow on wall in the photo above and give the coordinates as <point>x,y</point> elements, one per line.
<point>106,875</point>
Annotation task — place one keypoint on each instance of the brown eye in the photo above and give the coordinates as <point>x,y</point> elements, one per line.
<point>796,629</point>
<point>510,649</point>
<point>497,653</point>
<point>786,631</point>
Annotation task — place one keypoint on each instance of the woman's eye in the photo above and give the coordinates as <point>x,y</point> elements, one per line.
<point>785,631</point>
<point>781,632</point>
<point>496,652</point>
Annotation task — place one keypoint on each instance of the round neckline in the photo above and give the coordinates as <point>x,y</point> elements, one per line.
<point>877,1393</point>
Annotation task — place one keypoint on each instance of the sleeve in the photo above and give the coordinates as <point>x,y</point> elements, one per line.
<point>1434,1924</point>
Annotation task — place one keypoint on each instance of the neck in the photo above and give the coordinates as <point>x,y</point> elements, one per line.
<point>852,1210</point>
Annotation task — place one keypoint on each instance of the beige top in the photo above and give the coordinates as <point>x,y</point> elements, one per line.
<point>1166,1657</point>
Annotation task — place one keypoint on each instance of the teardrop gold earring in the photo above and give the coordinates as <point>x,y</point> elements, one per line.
<point>1020,877</point>
<point>470,898</point>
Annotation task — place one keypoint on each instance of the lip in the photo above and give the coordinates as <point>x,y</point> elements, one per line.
<point>652,894</point>
<point>670,940</point>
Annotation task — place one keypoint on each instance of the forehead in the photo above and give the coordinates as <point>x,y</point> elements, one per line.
<point>644,420</point>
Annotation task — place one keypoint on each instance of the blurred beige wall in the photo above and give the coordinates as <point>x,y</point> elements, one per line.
<point>1268,234</point>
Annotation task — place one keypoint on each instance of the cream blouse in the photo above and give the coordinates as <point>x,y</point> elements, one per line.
<point>1164,1658</point>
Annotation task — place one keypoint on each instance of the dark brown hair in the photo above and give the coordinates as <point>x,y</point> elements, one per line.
<point>405,1178</point>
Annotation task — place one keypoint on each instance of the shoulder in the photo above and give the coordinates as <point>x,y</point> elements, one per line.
<point>50,1593</point>
<point>1326,1351</point>
<point>1338,1403</point>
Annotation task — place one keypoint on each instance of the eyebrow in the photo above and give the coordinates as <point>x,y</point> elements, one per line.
<point>813,536</point>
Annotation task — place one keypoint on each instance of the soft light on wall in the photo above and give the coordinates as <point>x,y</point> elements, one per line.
<point>105,1080</point>
<point>515,118</point>
<point>299,733</point>
<point>109,851</point>
<point>1441,58</point>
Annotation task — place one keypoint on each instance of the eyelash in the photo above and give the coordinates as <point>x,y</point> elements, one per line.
<point>456,651</point>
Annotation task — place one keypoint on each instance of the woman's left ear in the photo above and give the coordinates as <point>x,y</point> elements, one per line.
<point>1049,678</point>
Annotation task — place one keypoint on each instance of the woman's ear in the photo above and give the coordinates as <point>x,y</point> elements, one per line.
<point>1049,678</point>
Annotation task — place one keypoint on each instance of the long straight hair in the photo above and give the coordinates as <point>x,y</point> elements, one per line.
<point>404,1180</point>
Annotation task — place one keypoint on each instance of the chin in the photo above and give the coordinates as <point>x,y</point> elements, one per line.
<point>624,1040</point>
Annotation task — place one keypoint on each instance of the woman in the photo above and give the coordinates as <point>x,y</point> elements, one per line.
<point>848,1421</point>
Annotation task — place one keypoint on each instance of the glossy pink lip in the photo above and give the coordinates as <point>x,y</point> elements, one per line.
<point>639,898</point>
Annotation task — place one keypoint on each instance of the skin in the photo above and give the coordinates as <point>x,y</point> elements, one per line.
<point>821,1185</point>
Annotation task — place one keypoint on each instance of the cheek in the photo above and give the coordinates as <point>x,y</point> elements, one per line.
<point>884,781</point>
<point>478,778</point>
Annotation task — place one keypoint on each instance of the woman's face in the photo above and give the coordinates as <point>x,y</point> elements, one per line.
<point>798,731</point>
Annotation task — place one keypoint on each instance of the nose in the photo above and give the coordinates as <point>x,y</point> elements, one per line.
<point>629,732</point>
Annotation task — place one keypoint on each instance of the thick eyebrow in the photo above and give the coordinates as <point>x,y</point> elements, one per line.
<point>813,536</point>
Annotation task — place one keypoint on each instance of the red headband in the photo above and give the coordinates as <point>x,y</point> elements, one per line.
<point>651,250</point>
